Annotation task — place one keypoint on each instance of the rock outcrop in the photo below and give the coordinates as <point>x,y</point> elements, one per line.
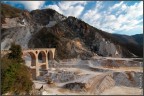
<point>128,78</point>
<point>92,85</point>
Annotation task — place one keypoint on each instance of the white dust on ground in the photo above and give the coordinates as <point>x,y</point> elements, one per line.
<point>122,90</point>
<point>116,90</point>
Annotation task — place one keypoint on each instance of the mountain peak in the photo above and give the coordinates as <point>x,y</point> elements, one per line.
<point>44,16</point>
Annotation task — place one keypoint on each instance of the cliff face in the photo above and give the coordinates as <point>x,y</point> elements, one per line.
<point>19,28</point>
<point>71,37</point>
<point>74,38</point>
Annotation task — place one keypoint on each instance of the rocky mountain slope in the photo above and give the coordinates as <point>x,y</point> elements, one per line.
<point>138,38</point>
<point>71,37</point>
<point>134,43</point>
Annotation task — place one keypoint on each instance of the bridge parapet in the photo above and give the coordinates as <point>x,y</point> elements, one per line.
<point>33,49</point>
<point>5,50</point>
<point>40,49</point>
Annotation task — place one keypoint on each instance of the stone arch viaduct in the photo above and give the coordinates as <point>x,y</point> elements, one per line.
<point>46,53</point>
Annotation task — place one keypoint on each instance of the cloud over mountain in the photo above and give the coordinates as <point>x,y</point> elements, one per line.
<point>124,17</point>
<point>67,8</point>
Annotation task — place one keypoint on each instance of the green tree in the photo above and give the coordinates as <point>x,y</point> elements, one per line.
<point>16,52</point>
<point>16,77</point>
<point>7,74</point>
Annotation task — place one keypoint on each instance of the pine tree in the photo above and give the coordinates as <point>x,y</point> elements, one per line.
<point>16,53</point>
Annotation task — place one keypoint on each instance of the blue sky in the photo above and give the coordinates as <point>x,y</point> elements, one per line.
<point>120,17</point>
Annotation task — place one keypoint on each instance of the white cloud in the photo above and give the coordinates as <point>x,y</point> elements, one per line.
<point>74,8</point>
<point>99,4</point>
<point>125,17</point>
<point>30,5</point>
<point>92,15</point>
<point>118,5</point>
<point>64,5</point>
<point>55,7</point>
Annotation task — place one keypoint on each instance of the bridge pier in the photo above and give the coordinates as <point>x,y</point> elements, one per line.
<point>47,63</point>
<point>37,67</point>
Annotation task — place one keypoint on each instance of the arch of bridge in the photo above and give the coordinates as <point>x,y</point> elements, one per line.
<point>44,52</point>
<point>34,58</point>
<point>37,65</point>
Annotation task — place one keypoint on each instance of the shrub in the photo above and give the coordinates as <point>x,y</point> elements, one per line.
<point>16,77</point>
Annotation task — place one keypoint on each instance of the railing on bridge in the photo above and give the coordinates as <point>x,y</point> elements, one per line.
<point>33,49</point>
<point>39,49</point>
<point>3,52</point>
